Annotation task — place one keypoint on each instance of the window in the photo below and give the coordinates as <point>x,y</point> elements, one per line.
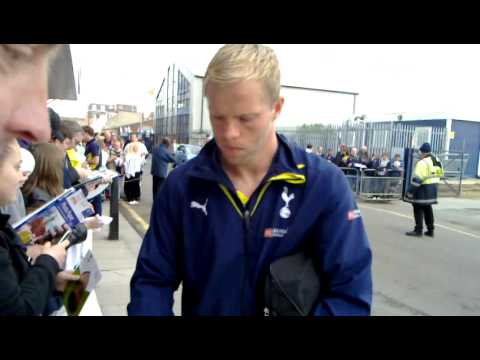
<point>422,135</point>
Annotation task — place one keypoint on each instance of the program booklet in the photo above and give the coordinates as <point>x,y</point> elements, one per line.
<point>76,292</point>
<point>97,182</point>
<point>52,220</point>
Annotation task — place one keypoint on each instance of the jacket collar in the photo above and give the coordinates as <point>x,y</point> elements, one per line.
<point>208,166</point>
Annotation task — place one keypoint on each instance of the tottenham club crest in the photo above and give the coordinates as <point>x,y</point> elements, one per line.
<point>285,211</point>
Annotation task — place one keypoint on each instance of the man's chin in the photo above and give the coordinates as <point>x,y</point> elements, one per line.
<point>232,159</point>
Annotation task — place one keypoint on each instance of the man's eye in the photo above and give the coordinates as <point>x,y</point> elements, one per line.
<point>19,50</point>
<point>13,55</point>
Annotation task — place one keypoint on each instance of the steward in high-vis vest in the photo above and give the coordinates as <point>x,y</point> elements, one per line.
<point>423,193</point>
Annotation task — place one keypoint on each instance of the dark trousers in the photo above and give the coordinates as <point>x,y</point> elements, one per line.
<point>420,212</point>
<point>132,187</point>
<point>157,182</point>
<point>97,204</point>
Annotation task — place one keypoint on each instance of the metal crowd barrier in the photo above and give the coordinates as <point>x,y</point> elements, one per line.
<point>353,176</point>
<point>367,184</point>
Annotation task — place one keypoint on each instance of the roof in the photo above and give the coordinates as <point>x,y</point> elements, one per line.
<point>123,118</point>
<point>422,117</point>
<point>306,88</point>
<point>81,121</point>
<point>186,71</point>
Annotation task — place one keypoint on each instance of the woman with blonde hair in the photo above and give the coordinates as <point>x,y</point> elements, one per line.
<point>133,170</point>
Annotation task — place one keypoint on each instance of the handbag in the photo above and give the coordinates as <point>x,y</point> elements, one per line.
<point>292,286</point>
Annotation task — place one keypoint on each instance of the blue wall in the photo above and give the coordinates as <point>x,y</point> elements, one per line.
<point>435,123</point>
<point>467,139</point>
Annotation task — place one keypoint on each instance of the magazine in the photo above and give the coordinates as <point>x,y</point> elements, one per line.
<point>76,292</point>
<point>97,182</point>
<point>52,220</point>
<point>97,191</point>
<point>105,174</point>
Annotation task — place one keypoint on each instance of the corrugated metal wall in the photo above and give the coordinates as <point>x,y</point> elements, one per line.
<point>467,139</point>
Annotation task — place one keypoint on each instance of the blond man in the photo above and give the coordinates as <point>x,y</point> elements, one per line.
<point>247,199</point>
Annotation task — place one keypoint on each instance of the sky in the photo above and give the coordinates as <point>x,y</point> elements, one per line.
<point>390,79</point>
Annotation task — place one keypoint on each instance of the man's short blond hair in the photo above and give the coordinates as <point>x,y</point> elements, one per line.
<point>238,62</point>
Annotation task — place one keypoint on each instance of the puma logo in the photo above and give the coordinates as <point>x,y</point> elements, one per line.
<point>196,205</point>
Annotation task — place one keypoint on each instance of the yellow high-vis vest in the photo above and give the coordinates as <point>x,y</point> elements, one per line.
<point>74,158</point>
<point>427,172</point>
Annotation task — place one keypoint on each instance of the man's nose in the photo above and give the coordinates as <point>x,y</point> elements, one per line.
<point>30,122</point>
<point>232,130</point>
<point>28,118</point>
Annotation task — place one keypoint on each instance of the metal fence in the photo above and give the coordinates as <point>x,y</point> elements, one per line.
<point>374,187</point>
<point>454,164</point>
<point>382,137</point>
<point>367,184</point>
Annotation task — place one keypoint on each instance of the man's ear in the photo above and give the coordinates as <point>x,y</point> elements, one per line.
<point>278,106</point>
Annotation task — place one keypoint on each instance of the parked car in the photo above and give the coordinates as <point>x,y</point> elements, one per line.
<point>186,152</point>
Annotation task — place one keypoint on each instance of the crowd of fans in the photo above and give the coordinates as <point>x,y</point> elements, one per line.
<point>41,156</point>
<point>378,165</point>
<point>47,169</point>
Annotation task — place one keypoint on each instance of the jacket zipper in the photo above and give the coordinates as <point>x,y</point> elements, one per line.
<point>246,221</point>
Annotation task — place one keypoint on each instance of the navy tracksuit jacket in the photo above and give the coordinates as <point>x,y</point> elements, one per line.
<point>202,235</point>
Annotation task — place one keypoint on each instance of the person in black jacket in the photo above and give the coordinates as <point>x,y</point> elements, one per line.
<point>330,156</point>
<point>342,159</point>
<point>161,156</point>
<point>70,175</point>
<point>26,285</point>
<point>364,158</point>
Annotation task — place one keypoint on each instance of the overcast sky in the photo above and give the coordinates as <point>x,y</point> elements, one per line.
<point>412,79</point>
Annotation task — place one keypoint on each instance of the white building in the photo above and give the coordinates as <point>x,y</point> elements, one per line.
<point>181,110</point>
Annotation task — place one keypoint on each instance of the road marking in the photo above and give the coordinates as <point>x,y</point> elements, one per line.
<point>394,303</point>
<point>409,217</point>
<point>135,215</point>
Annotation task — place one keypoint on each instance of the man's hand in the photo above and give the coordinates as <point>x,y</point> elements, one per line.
<point>63,278</point>
<point>93,222</point>
<point>83,173</point>
<point>58,252</point>
<point>34,251</point>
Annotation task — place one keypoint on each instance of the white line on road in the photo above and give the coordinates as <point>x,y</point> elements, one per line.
<point>409,217</point>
